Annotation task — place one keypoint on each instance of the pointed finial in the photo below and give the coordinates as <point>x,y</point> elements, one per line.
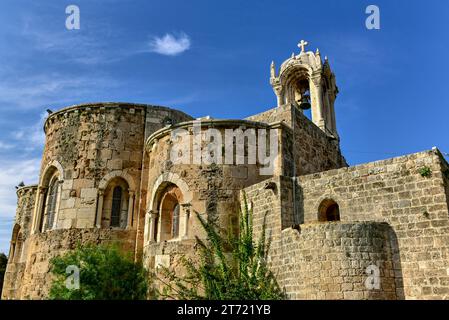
<point>293,55</point>
<point>272,70</point>
<point>317,52</point>
<point>302,44</point>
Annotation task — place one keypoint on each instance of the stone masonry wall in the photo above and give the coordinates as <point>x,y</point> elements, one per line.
<point>211,190</point>
<point>88,145</point>
<point>306,148</point>
<point>395,192</point>
<point>322,260</point>
<point>329,261</point>
<point>12,283</point>
<point>26,198</point>
<point>89,142</point>
<point>44,246</point>
<point>155,119</point>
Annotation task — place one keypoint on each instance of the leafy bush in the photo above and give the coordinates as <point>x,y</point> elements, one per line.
<point>228,268</point>
<point>3,263</point>
<point>425,172</point>
<point>105,274</point>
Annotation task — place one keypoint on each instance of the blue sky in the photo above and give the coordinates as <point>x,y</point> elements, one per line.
<point>213,58</point>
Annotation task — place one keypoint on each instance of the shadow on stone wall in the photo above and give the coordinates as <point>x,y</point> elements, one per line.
<point>299,203</point>
<point>397,265</point>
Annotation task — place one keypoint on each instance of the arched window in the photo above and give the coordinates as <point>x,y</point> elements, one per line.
<point>52,198</point>
<point>18,247</point>
<point>169,213</point>
<point>116,200</point>
<point>48,199</point>
<point>15,245</point>
<point>328,211</point>
<point>116,206</point>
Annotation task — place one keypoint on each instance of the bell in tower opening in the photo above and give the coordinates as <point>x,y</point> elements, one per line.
<point>302,95</point>
<point>307,82</point>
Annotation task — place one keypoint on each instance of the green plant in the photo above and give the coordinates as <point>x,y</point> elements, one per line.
<point>227,267</point>
<point>425,172</point>
<point>3,263</point>
<point>105,273</point>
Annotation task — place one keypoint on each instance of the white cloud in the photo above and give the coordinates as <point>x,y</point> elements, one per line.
<point>5,146</point>
<point>170,45</point>
<point>12,172</point>
<point>33,135</point>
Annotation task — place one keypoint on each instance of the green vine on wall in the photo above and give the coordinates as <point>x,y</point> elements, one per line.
<point>425,172</point>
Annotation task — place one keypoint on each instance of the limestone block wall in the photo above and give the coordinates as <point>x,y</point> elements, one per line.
<point>37,277</point>
<point>26,197</point>
<point>93,143</point>
<point>155,119</point>
<point>313,150</point>
<point>324,260</point>
<point>19,246</point>
<point>209,189</point>
<point>445,171</point>
<point>87,147</point>
<point>330,261</point>
<point>307,149</point>
<point>394,191</point>
<point>88,143</point>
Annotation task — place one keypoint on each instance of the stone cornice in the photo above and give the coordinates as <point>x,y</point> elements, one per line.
<point>212,123</point>
<point>98,105</point>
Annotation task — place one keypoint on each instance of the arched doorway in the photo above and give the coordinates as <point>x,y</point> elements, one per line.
<point>328,211</point>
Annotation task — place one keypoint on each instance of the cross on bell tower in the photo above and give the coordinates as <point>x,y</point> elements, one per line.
<point>305,81</point>
<point>302,44</point>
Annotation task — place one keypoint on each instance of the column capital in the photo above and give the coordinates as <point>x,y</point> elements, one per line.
<point>186,207</point>
<point>317,80</point>
<point>42,189</point>
<point>153,214</point>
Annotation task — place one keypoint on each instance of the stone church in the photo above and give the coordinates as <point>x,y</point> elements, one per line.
<point>373,231</point>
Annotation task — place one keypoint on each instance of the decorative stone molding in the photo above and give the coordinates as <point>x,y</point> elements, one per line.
<point>118,174</point>
<point>173,178</point>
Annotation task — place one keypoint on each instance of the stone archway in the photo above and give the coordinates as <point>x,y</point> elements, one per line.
<point>169,213</point>
<point>51,179</point>
<point>125,181</point>
<point>328,211</point>
<point>184,197</point>
<point>162,181</point>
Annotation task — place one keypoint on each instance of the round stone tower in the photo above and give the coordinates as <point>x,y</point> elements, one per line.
<point>201,166</point>
<point>90,183</point>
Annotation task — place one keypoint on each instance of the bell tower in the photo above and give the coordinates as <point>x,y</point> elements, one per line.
<point>306,82</point>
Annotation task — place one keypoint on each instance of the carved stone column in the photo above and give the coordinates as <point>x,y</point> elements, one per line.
<point>58,204</point>
<point>317,105</point>
<point>186,218</point>
<point>99,208</point>
<point>38,209</point>
<point>152,215</point>
<point>130,210</point>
